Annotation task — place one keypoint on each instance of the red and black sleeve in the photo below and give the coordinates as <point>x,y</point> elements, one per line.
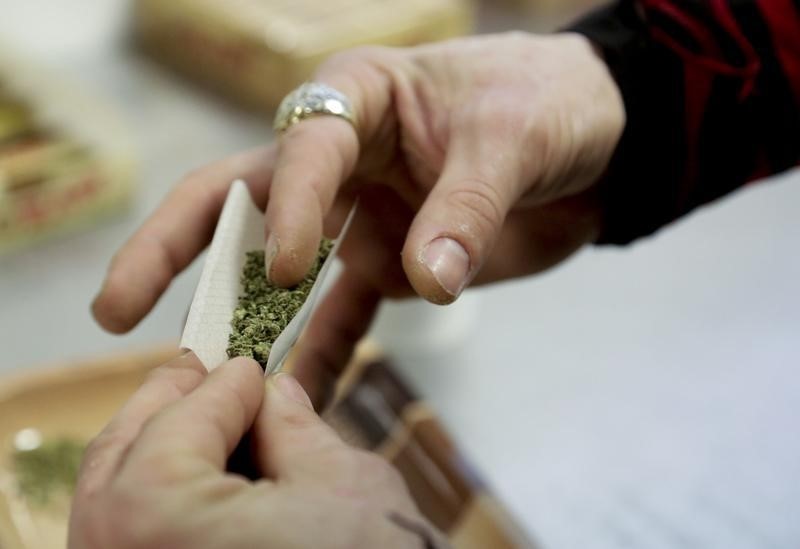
<point>712,96</point>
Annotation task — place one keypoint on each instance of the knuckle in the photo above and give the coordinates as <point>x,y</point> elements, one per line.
<point>516,35</point>
<point>540,135</point>
<point>354,57</point>
<point>195,184</point>
<point>117,518</point>
<point>166,261</point>
<point>294,138</point>
<point>481,202</point>
<point>153,470</point>
<point>491,116</point>
<point>379,477</point>
<point>340,460</point>
<point>179,379</point>
<point>132,523</point>
<point>541,131</point>
<point>494,115</point>
<point>89,525</point>
<point>223,405</point>
<point>87,517</point>
<point>299,418</point>
<point>316,172</point>
<point>375,468</point>
<point>112,437</point>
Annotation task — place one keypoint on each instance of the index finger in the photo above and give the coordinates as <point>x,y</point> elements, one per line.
<point>207,424</point>
<point>316,156</point>
<point>163,386</point>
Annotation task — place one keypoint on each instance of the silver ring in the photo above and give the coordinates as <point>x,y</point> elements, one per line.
<point>309,100</point>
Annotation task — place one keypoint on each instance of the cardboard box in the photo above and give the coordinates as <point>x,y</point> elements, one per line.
<point>256,51</point>
<point>64,160</point>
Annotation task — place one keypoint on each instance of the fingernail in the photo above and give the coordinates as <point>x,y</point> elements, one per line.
<point>270,251</point>
<point>448,262</point>
<point>289,387</point>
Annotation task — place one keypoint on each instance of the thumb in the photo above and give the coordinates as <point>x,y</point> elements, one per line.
<point>290,437</point>
<point>456,228</point>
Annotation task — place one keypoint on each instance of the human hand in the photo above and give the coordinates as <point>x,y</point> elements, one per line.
<point>475,160</point>
<point>155,477</point>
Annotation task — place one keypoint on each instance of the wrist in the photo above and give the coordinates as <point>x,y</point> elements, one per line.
<point>649,79</point>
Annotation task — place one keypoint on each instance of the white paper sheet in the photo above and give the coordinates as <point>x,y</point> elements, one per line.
<point>240,229</point>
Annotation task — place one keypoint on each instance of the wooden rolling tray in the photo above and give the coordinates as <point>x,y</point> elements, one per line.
<point>373,410</point>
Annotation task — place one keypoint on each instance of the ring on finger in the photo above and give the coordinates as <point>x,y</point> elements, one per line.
<point>310,100</point>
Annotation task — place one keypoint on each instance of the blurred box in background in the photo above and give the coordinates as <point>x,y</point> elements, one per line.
<point>563,8</point>
<point>64,163</point>
<point>256,51</point>
<point>540,15</point>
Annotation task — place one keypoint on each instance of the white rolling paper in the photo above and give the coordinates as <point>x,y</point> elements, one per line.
<point>240,229</point>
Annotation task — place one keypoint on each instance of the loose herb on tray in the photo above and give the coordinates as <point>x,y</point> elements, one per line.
<point>264,310</point>
<point>48,470</point>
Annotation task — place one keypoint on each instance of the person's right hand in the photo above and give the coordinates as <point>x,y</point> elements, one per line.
<point>156,476</point>
<point>475,160</point>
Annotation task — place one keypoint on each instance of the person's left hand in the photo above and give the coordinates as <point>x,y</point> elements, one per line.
<point>155,477</point>
<point>474,160</point>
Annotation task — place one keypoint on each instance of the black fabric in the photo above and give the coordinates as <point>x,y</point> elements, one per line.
<point>699,11</point>
<point>639,190</point>
<point>775,117</point>
<point>749,125</point>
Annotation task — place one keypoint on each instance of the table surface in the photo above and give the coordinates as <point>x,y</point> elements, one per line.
<point>638,397</point>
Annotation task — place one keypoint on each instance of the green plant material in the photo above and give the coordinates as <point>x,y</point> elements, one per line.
<point>16,118</point>
<point>264,310</point>
<point>50,469</point>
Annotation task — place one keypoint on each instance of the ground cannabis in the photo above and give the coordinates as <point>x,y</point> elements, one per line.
<point>265,310</point>
<point>50,469</point>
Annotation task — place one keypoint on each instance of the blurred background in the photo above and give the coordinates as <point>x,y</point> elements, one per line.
<point>637,397</point>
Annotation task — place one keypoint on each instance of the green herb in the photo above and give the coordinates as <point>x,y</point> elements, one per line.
<point>49,469</point>
<point>264,310</point>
